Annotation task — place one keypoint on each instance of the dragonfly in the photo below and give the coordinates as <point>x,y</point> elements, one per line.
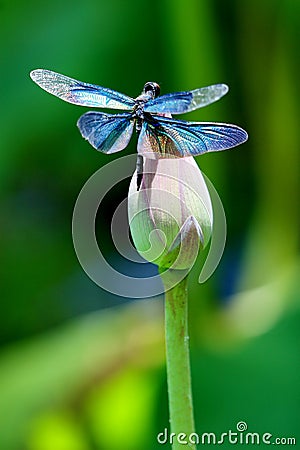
<point>159,134</point>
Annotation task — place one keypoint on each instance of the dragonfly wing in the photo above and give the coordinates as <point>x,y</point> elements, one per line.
<point>154,143</point>
<point>79,93</point>
<point>182,102</point>
<point>170,137</point>
<point>108,133</point>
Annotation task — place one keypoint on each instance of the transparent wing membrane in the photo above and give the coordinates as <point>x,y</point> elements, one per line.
<point>169,137</point>
<point>80,93</point>
<point>108,133</point>
<point>182,102</point>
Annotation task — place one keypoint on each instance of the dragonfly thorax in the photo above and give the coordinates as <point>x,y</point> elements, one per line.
<point>138,112</point>
<point>150,91</point>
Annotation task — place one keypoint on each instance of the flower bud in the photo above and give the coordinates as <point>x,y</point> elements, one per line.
<point>170,216</point>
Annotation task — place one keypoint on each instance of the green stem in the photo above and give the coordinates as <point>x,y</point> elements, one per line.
<point>178,364</point>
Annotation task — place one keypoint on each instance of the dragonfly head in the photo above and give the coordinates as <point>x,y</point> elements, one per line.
<point>152,88</point>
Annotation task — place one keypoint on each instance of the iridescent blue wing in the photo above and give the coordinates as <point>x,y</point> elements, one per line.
<point>79,93</point>
<point>182,102</point>
<point>163,137</point>
<point>108,133</point>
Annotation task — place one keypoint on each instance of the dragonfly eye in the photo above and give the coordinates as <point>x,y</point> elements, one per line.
<point>152,87</point>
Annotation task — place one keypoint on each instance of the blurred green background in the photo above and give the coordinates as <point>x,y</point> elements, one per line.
<point>81,369</point>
